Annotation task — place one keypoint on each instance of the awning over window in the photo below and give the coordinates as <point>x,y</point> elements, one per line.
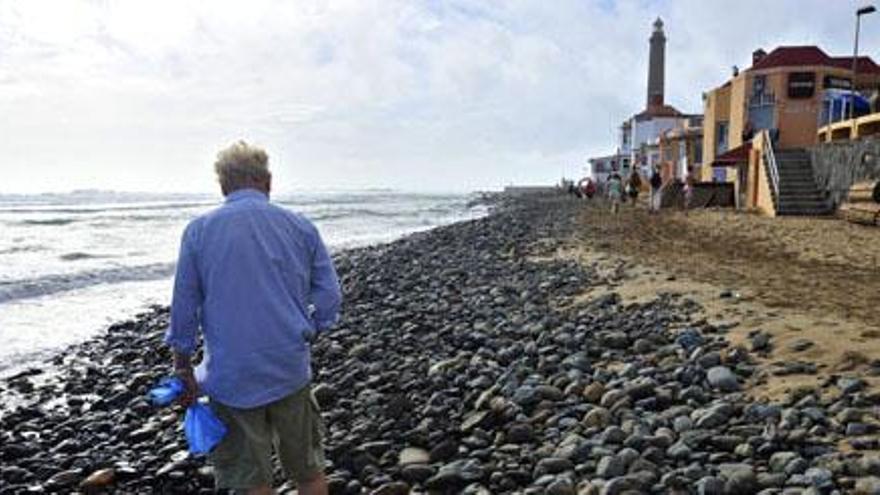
<point>734,157</point>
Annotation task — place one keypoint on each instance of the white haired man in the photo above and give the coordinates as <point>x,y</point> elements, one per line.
<point>257,280</point>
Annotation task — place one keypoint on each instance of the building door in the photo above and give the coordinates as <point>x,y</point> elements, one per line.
<point>742,177</point>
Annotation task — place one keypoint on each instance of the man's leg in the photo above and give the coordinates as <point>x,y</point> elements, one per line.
<point>296,420</point>
<point>242,459</point>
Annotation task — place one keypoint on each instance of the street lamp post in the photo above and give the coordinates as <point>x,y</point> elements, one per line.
<point>855,67</point>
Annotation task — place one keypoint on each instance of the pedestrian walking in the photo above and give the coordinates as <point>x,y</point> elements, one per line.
<point>688,190</point>
<point>256,281</point>
<point>656,185</point>
<point>633,184</point>
<point>615,191</point>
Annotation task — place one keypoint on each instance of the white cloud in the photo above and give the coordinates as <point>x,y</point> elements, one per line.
<point>438,95</point>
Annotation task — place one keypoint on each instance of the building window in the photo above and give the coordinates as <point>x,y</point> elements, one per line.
<point>836,82</point>
<point>721,138</point>
<point>759,84</point>
<point>801,84</point>
<point>698,151</point>
<point>761,95</point>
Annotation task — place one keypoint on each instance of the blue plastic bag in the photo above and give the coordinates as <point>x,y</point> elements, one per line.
<point>166,392</point>
<point>203,429</point>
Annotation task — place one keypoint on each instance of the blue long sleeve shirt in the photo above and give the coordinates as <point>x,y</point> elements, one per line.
<point>257,280</point>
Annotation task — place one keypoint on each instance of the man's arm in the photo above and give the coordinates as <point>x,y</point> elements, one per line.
<point>185,317</point>
<point>325,293</point>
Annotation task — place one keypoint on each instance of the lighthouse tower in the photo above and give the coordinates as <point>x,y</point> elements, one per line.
<point>656,66</point>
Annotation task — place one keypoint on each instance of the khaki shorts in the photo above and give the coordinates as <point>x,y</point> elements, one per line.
<point>292,425</point>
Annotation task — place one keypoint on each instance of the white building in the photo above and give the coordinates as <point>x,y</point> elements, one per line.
<point>640,134</point>
<point>602,166</point>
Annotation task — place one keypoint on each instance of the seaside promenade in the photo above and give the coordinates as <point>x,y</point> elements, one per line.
<point>548,348</point>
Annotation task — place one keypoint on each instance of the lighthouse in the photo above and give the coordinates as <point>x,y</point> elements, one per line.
<point>656,66</point>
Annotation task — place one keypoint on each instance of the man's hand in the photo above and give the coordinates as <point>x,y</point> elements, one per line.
<point>183,369</point>
<point>190,387</point>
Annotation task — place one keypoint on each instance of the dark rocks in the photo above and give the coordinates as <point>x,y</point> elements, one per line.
<point>610,467</point>
<point>850,385</point>
<point>552,465</point>
<point>417,473</point>
<point>723,379</point>
<point>710,485</point>
<point>325,394</point>
<point>14,474</point>
<point>465,363</point>
<point>64,479</point>
<point>713,416</point>
<point>779,460</point>
<point>800,345</point>
<point>520,433</point>
<point>593,392</point>
<point>562,486</point>
<point>444,451</point>
<point>476,419</point>
<point>740,480</point>
<point>392,488</point>
<point>689,339</point>
<point>761,342</point>
<point>598,417</point>
<point>456,474</point>
<point>623,485</point>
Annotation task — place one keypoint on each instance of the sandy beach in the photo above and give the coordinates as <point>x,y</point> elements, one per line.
<point>800,280</point>
<point>545,349</point>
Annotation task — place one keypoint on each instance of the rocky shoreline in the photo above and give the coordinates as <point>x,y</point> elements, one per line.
<point>463,365</point>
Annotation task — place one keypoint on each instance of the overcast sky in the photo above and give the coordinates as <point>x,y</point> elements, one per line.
<point>415,95</point>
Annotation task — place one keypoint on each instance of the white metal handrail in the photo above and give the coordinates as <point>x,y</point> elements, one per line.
<point>770,163</point>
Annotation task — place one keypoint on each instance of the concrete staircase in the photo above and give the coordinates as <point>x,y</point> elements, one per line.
<point>798,192</point>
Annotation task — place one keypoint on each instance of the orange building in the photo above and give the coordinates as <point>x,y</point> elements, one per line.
<point>781,93</point>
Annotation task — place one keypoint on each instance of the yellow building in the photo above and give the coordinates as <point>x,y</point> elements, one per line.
<point>782,93</point>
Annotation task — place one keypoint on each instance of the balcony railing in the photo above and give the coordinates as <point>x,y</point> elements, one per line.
<point>770,163</point>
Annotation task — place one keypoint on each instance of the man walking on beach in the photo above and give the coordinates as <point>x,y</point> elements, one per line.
<point>259,283</point>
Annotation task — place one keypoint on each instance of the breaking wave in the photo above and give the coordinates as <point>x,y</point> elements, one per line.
<point>52,284</point>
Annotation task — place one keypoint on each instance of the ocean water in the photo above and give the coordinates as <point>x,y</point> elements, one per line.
<point>71,264</point>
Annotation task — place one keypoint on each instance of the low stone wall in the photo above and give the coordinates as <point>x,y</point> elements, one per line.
<point>839,165</point>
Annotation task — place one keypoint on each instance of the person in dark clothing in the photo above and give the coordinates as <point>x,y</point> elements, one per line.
<point>748,132</point>
<point>633,184</point>
<point>656,184</point>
